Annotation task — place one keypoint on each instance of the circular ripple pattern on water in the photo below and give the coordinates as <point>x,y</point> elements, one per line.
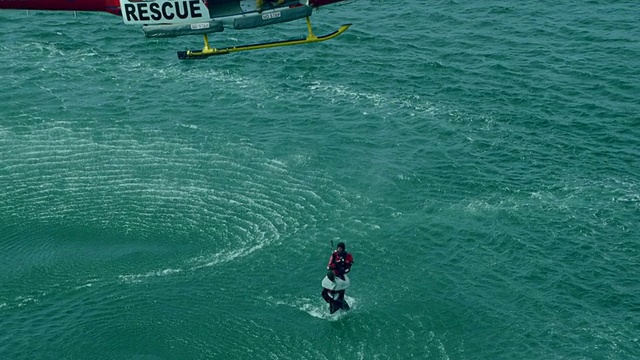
<point>214,193</point>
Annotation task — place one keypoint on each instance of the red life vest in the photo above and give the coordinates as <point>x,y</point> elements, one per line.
<point>340,263</point>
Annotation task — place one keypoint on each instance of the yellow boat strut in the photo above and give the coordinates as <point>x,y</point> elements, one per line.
<point>207,50</point>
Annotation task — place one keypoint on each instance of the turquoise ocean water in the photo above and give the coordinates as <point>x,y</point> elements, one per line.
<point>481,161</point>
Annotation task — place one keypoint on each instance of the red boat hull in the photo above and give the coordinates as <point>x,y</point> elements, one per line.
<point>110,6</point>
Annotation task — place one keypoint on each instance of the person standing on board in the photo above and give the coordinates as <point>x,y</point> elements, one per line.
<point>336,283</point>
